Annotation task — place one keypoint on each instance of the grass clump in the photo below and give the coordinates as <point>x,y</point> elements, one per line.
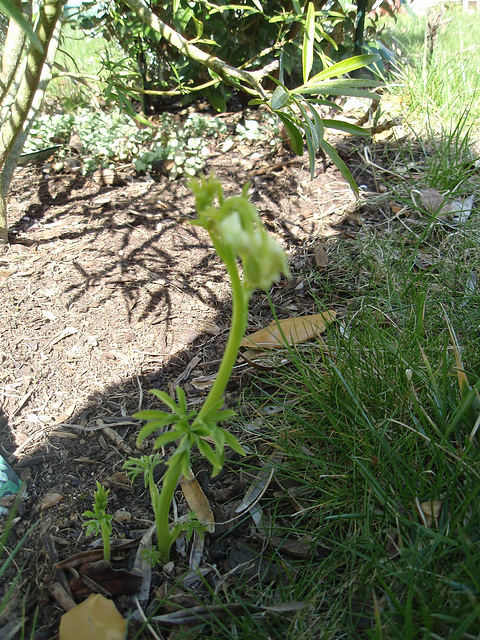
<point>438,66</point>
<point>381,451</point>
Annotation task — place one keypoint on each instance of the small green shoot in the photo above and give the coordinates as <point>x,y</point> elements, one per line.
<point>100,520</point>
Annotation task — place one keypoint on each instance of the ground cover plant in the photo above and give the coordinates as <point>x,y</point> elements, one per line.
<point>355,511</point>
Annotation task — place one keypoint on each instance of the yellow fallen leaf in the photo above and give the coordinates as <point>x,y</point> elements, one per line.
<point>197,501</point>
<point>295,330</point>
<point>96,618</point>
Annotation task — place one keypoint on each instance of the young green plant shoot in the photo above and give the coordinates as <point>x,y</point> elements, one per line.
<point>101,522</point>
<point>237,232</point>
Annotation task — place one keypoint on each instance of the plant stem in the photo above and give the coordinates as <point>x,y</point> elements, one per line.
<point>240,300</point>
<point>161,502</point>
<point>106,542</point>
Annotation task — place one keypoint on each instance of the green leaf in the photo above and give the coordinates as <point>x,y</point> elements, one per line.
<point>293,133</point>
<point>182,400</point>
<point>311,150</point>
<point>151,414</point>
<point>221,416</point>
<point>279,98</point>
<point>332,90</point>
<point>308,42</point>
<point>258,4</point>
<point>319,122</point>
<point>207,451</point>
<point>233,443</point>
<point>345,66</point>
<point>150,427</point>
<point>330,151</point>
<point>166,438</point>
<point>346,126</point>
<point>217,99</point>
<point>10,10</point>
<point>198,27</point>
<point>166,399</point>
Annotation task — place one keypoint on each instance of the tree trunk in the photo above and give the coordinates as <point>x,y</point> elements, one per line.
<point>24,98</point>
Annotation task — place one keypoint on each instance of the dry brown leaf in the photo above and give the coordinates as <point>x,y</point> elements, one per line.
<point>321,258</point>
<point>197,501</point>
<point>434,202</point>
<point>260,483</point>
<point>97,618</point>
<point>101,577</point>
<point>430,511</point>
<point>51,499</point>
<point>295,330</point>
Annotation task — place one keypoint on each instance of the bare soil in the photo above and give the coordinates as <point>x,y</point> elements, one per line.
<point>107,292</point>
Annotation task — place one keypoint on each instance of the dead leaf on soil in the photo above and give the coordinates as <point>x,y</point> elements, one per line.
<point>115,582</point>
<point>429,511</point>
<point>51,499</point>
<point>321,258</point>
<point>260,484</point>
<point>68,331</point>
<point>197,501</point>
<point>93,554</point>
<point>143,567</point>
<point>289,331</point>
<point>442,206</point>
<point>97,618</point>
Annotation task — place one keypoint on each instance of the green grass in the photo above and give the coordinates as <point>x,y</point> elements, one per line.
<point>446,81</point>
<point>80,54</point>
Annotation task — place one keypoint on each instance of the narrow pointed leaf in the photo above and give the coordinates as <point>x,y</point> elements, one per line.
<point>233,443</point>
<point>345,66</point>
<point>293,133</point>
<point>308,42</point>
<point>166,399</point>
<point>330,151</point>
<point>148,429</point>
<point>347,127</point>
<point>279,98</point>
<point>166,438</point>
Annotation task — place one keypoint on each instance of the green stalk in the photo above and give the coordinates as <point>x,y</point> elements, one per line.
<point>161,502</point>
<point>240,299</point>
<point>106,541</point>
